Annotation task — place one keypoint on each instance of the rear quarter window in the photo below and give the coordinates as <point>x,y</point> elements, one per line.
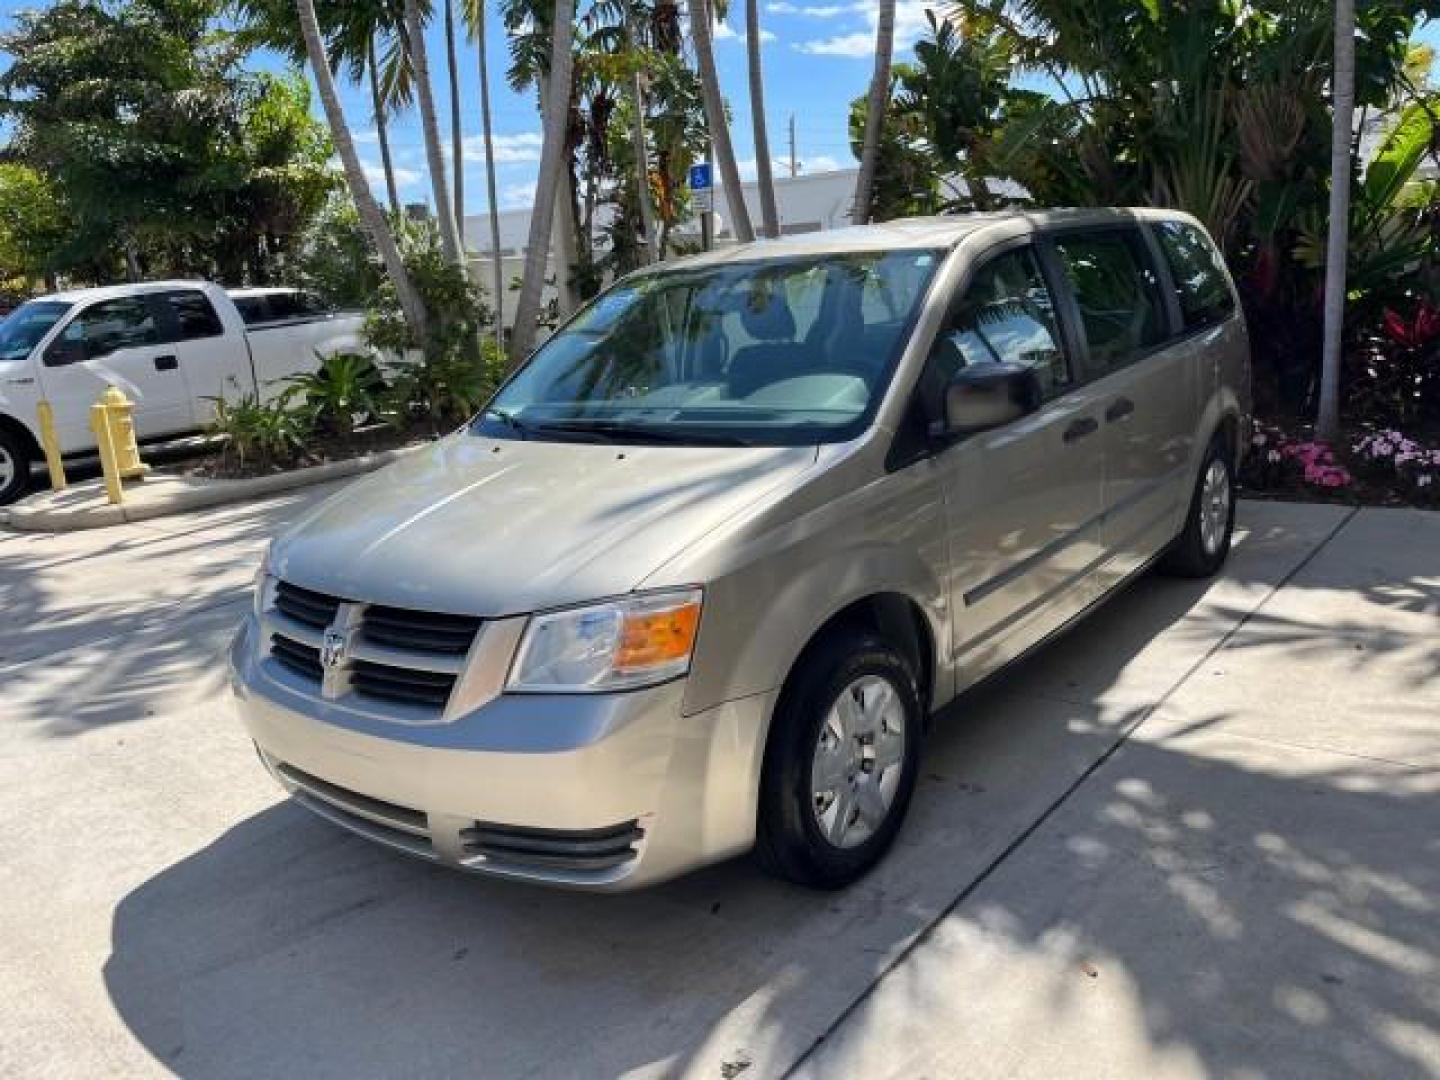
<point>1199,275</point>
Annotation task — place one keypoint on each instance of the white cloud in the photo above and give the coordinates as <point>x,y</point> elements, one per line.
<point>826,11</point>
<point>910,24</point>
<point>375,173</point>
<point>725,32</point>
<point>365,135</point>
<point>509,149</point>
<point>780,168</point>
<point>517,196</point>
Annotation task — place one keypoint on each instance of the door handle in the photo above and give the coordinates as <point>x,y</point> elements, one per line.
<point>166,363</point>
<point>1078,429</point>
<point>1119,409</point>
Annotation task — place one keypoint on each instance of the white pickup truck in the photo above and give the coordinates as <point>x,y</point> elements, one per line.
<point>171,346</point>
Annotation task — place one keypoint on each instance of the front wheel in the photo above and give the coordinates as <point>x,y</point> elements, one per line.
<point>14,467</point>
<point>1200,549</point>
<point>841,763</point>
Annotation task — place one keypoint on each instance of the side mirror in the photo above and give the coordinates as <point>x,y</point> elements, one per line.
<point>980,397</point>
<point>65,350</point>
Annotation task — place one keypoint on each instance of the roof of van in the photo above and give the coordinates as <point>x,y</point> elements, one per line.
<point>921,232</point>
<point>134,288</point>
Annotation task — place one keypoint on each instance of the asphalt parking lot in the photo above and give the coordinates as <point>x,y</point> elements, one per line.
<point>1199,835</point>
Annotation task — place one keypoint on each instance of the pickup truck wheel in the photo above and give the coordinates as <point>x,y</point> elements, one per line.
<point>841,762</point>
<point>1203,544</point>
<point>14,467</point>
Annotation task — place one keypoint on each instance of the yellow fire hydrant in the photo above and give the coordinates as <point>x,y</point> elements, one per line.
<point>112,421</point>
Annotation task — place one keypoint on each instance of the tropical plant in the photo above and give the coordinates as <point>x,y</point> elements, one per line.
<point>453,303</point>
<point>716,117</point>
<point>414,39</point>
<point>474,14</point>
<point>346,388</point>
<point>446,389</point>
<point>259,435</point>
<point>376,226</point>
<point>334,257</point>
<point>875,113</point>
<point>552,164</point>
<point>34,225</point>
<point>765,181</point>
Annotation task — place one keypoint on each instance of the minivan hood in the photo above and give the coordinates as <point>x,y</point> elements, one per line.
<point>496,527</point>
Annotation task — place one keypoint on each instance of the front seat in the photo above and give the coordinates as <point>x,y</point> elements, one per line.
<point>767,318</point>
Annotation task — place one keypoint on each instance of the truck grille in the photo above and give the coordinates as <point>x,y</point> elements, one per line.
<point>313,609</point>
<point>395,655</point>
<point>400,684</point>
<point>420,629</point>
<point>299,658</point>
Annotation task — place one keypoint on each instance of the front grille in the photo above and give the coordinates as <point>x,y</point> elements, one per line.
<point>580,850</point>
<point>297,657</point>
<point>395,655</point>
<point>402,684</point>
<point>424,630</point>
<point>304,606</point>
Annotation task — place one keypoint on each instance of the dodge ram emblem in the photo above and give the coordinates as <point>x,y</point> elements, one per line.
<point>332,649</point>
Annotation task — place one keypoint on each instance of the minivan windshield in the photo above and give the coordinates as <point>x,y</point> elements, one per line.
<point>766,352</point>
<point>23,328</point>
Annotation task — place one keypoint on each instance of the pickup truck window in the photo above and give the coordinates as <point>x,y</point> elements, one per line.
<point>26,325</point>
<point>194,315</point>
<point>122,323</point>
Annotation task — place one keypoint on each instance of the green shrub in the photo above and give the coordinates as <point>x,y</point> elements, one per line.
<point>445,389</point>
<point>345,388</point>
<point>260,435</point>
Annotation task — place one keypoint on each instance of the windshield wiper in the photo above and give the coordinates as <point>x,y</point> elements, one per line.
<point>621,430</point>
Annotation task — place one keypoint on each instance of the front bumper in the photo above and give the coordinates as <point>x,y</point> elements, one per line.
<point>604,791</point>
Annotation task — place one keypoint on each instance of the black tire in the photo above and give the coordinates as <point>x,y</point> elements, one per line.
<point>14,466</point>
<point>790,842</point>
<point>1190,555</point>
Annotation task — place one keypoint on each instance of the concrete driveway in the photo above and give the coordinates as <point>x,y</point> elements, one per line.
<point>1197,836</point>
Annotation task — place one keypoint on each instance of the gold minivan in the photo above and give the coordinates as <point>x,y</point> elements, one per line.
<point>696,579</point>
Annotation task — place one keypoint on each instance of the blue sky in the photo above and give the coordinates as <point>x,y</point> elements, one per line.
<point>817,54</point>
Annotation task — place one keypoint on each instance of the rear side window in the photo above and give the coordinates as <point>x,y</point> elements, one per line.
<point>194,316</point>
<point>252,309</point>
<point>1200,283</point>
<point>1118,293</point>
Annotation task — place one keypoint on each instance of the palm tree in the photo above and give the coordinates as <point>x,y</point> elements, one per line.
<point>430,126</point>
<point>552,164</point>
<point>474,13</point>
<point>369,210</point>
<point>457,140</point>
<point>639,143</point>
<point>875,112</point>
<point>1342,91</point>
<point>382,133</point>
<point>769,217</point>
<point>715,117</point>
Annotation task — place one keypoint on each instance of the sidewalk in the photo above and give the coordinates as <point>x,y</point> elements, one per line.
<point>1250,886</point>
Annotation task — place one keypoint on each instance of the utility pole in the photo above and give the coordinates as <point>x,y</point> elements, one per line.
<point>792,146</point>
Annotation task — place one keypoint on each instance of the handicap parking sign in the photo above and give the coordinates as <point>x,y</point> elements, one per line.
<point>702,186</point>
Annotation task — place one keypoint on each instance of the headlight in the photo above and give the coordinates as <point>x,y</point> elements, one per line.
<point>619,645</point>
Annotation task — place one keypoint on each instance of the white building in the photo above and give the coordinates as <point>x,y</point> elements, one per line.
<point>806,203</point>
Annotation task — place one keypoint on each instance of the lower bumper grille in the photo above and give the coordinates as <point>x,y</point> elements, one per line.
<point>568,856</point>
<point>579,850</point>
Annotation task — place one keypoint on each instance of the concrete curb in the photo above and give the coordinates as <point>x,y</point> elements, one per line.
<point>83,506</point>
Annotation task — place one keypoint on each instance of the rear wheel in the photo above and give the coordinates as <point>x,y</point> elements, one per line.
<point>841,762</point>
<point>1203,544</point>
<point>14,467</point>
